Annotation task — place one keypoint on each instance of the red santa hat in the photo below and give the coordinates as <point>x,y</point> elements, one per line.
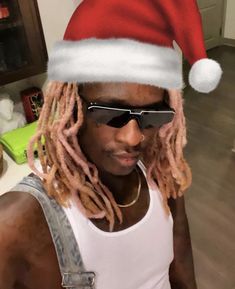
<point>132,41</point>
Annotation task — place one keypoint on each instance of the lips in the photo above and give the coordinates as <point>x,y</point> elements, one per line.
<point>126,159</point>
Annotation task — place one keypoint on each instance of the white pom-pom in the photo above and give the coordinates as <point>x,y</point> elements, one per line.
<point>205,75</point>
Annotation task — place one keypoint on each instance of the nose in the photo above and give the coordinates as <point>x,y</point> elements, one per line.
<point>130,134</point>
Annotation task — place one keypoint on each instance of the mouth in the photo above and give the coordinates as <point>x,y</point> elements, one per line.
<point>126,159</point>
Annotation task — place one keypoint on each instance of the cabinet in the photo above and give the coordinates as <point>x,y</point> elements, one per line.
<point>22,46</point>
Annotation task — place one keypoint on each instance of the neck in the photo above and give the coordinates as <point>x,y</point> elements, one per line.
<point>122,187</point>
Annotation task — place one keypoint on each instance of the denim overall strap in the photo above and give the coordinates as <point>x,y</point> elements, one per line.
<point>74,275</point>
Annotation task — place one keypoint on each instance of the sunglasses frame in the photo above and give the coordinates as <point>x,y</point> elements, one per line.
<point>134,112</point>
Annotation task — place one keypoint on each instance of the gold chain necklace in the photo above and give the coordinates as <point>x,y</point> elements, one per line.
<point>137,195</point>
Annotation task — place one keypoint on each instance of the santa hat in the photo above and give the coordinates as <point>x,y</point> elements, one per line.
<point>132,41</point>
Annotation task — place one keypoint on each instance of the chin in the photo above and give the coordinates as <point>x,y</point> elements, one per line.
<point>123,172</point>
<point>120,170</point>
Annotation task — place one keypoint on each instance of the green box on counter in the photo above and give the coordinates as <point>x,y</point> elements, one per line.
<point>15,142</point>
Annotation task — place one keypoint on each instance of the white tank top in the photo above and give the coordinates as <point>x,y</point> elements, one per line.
<point>135,258</point>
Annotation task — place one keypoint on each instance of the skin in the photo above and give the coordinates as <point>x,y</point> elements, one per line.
<point>28,258</point>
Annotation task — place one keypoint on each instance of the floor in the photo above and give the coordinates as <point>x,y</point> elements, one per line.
<point>211,198</point>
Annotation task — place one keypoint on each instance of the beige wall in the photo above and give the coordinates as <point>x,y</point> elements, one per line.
<point>55,15</point>
<point>229,29</point>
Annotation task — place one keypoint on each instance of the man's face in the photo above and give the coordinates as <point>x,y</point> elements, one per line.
<point>117,150</point>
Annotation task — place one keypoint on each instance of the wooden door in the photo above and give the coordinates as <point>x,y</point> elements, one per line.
<point>212,19</point>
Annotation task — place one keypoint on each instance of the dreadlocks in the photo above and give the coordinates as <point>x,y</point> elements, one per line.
<point>164,158</point>
<point>67,173</point>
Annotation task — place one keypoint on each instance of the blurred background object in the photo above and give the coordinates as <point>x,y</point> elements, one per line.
<point>15,142</point>
<point>1,160</point>
<point>9,119</point>
<point>4,10</point>
<point>32,99</point>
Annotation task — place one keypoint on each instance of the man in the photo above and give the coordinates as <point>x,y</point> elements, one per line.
<point>113,162</point>
<point>27,254</point>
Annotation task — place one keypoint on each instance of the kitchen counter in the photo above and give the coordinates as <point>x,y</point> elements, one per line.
<point>12,173</point>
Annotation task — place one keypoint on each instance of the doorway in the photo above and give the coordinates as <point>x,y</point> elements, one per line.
<point>212,12</point>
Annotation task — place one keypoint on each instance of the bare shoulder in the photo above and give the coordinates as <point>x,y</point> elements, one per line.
<point>21,220</point>
<point>15,210</point>
<point>23,235</point>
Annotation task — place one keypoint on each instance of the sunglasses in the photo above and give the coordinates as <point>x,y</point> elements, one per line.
<point>153,116</point>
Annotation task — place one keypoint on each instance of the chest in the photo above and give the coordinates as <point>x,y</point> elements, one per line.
<point>131,215</point>
<point>145,246</point>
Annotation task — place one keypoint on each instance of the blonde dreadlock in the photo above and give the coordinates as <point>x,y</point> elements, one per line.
<point>165,161</point>
<point>67,173</point>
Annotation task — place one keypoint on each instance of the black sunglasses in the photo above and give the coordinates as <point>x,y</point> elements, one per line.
<point>153,116</point>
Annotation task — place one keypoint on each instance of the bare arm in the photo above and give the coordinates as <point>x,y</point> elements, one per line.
<point>7,278</point>
<point>8,245</point>
<point>182,274</point>
<point>27,255</point>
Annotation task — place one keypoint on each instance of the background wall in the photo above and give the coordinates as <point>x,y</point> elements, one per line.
<point>55,15</point>
<point>229,30</point>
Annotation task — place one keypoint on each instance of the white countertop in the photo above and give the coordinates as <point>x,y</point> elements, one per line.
<point>12,173</point>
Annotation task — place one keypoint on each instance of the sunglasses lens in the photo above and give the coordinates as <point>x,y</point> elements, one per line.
<point>110,117</point>
<point>156,119</point>
<point>119,121</point>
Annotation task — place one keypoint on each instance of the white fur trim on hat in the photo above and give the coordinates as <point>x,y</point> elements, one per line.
<point>205,75</point>
<point>115,60</point>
